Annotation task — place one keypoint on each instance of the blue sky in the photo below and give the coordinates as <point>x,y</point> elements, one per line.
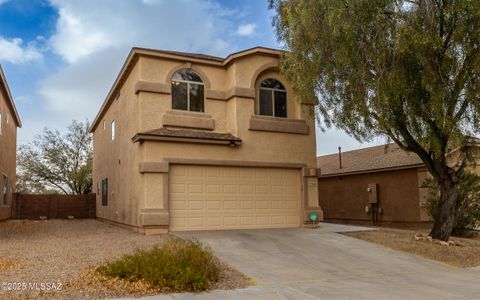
<point>61,56</point>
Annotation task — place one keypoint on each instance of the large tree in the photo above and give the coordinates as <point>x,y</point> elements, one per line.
<point>405,70</point>
<point>55,162</point>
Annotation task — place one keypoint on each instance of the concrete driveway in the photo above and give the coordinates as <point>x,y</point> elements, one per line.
<point>322,264</point>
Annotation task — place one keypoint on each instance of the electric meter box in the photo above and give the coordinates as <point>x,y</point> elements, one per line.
<point>372,190</point>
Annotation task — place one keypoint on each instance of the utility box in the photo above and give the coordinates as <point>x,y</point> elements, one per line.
<point>372,190</point>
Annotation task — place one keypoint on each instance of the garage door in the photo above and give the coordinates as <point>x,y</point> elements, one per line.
<point>215,197</point>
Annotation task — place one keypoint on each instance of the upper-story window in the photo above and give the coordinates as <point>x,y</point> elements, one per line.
<point>112,126</point>
<point>273,99</point>
<point>187,91</point>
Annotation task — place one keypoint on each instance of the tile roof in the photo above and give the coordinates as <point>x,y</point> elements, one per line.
<point>188,134</point>
<point>367,159</point>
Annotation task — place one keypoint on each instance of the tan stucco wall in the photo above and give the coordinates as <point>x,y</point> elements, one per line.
<point>118,160</point>
<point>345,197</point>
<point>139,199</point>
<point>8,148</point>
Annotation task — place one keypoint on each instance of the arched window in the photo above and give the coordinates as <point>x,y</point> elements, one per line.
<point>187,91</point>
<point>273,99</point>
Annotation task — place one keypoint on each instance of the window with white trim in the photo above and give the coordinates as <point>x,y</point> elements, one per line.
<point>272,99</point>
<point>187,91</point>
<point>112,125</point>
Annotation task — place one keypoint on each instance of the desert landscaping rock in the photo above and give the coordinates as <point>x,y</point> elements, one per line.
<point>63,251</point>
<point>423,237</point>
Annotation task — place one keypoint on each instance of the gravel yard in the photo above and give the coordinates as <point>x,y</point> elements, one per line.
<point>62,251</point>
<point>465,256</point>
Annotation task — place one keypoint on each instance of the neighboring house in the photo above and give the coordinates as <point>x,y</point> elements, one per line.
<point>9,121</point>
<point>379,184</point>
<point>195,142</point>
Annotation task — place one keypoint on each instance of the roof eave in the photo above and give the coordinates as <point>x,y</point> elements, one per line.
<point>8,94</point>
<point>141,137</point>
<point>367,171</point>
<point>132,56</point>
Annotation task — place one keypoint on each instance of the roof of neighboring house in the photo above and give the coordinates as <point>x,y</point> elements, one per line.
<point>186,135</point>
<point>136,52</point>
<point>371,159</point>
<point>8,97</point>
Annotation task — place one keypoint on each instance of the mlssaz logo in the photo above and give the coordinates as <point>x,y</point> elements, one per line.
<point>45,286</point>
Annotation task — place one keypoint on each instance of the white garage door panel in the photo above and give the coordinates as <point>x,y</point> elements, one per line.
<point>211,197</point>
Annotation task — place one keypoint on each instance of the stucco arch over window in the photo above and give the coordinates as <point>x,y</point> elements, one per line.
<point>272,71</point>
<point>263,69</point>
<point>189,66</point>
<point>188,91</point>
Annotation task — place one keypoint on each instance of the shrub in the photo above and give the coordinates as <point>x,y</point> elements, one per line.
<point>176,266</point>
<point>467,213</point>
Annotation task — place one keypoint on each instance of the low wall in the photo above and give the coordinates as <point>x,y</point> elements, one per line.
<point>26,206</point>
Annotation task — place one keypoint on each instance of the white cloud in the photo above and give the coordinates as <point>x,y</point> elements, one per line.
<point>76,91</point>
<point>88,27</point>
<point>3,1</point>
<point>246,30</point>
<point>94,38</point>
<point>13,51</point>
<point>77,37</point>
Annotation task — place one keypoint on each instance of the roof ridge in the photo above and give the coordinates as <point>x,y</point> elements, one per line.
<point>360,149</point>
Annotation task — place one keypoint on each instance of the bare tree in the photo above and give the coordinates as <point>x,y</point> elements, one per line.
<point>56,162</point>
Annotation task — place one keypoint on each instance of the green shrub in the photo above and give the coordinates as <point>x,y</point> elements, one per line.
<point>177,265</point>
<point>467,213</point>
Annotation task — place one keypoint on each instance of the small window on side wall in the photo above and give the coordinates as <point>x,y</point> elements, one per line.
<point>113,129</point>
<point>187,91</point>
<point>272,99</point>
<point>105,191</point>
<point>5,189</point>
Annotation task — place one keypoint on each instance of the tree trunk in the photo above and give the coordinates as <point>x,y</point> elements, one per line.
<point>445,218</point>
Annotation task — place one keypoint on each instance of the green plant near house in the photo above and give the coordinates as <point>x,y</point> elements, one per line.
<point>467,210</point>
<point>176,266</point>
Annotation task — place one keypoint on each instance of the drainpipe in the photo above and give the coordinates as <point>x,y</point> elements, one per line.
<point>340,156</point>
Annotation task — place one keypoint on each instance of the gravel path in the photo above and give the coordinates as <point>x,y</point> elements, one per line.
<point>58,251</point>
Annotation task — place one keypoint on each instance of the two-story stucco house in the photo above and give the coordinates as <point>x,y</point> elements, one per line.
<point>195,142</point>
<point>9,121</point>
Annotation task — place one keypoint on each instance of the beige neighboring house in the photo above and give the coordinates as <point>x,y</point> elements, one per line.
<point>189,141</point>
<point>383,183</point>
<point>9,121</point>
